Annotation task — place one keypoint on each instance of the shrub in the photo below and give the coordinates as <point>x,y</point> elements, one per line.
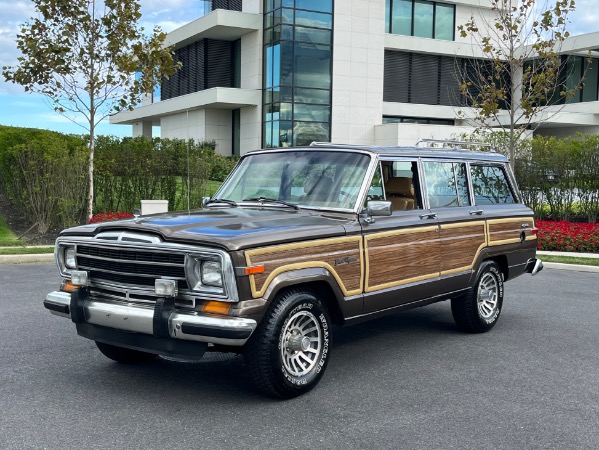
<point>568,236</point>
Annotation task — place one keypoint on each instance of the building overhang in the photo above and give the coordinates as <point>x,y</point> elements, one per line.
<point>420,110</point>
<point>215,98</point>
<point>414,44</point>
<point>220,24</point>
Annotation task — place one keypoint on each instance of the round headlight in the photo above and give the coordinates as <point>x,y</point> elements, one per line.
<point>69,258</point>
<point>212,274</point>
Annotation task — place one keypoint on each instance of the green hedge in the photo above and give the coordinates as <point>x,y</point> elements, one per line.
<point>44,173</point>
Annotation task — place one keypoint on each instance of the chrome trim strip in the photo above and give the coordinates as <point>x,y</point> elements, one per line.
<point>129,261</point>
<point>176,321</point>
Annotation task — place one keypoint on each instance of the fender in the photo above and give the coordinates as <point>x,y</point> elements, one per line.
<point>344,306</point>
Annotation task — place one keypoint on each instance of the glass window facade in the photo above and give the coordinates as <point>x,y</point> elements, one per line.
<point>420,18</point>
<point>579,68</point>
<point>297,72</point>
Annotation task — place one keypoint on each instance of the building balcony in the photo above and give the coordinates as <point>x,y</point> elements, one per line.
<point>215,98</point>
<point>220,24</point>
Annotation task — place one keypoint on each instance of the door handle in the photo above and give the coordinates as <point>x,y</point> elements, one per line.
<point>428,216</point>
<point>477,212</point>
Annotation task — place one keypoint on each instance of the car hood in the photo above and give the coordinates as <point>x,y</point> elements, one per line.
<point>231,228</point>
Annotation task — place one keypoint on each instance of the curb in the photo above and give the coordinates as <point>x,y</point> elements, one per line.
<point>572,267</point>
<point>25,259</point>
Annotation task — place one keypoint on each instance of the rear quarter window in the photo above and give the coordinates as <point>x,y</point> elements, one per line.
<point>490,185</point>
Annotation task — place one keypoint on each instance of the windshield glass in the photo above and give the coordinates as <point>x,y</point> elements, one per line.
<point>322,179</point>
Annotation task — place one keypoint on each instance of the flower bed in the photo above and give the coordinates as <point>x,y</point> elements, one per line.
<point>110,216</point>
<point>568,236</point>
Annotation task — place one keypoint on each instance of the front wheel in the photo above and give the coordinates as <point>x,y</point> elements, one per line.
<point>289,352</point>
<point>478,310</point>
<point>124,355</point>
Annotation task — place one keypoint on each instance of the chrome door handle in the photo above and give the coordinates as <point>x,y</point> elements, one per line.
<point>478,212</point>
<point>428,216</point>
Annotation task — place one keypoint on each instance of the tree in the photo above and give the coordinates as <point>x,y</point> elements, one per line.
<point>522,72</point>
<point>83,56</point>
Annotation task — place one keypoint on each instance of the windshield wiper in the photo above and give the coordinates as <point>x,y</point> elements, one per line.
<point>270,200</point>
<point>221,200</point>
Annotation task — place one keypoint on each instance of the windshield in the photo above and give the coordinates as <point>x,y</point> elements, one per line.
<point>322,179</point>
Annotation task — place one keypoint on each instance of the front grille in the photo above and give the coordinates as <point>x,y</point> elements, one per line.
<point>131,267</point>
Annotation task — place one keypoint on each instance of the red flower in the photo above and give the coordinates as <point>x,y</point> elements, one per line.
<point>110,216</point>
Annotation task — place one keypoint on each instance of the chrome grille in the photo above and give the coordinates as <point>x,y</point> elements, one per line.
<point>131,267</point>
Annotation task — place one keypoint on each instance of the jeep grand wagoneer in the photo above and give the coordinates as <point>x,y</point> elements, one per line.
<point>294,242</point>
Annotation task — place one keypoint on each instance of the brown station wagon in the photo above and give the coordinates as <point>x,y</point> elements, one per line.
<point>294,242</point>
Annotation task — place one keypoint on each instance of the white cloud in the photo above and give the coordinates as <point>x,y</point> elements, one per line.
<point>585,18</point>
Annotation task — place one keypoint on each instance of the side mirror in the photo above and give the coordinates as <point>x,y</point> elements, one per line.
<point>205,201</point>
<point>378,208</point>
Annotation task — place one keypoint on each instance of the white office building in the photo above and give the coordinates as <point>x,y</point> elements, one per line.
<point>280,73</point>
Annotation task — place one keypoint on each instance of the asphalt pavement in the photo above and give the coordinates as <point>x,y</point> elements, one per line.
<point>409,380</point>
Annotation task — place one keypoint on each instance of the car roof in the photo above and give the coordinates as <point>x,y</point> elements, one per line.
<point>419,152</point>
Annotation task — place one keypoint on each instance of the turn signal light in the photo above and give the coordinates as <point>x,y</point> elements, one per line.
<point>253,270</point>
<point>67,286</point>
<point>217,307</point>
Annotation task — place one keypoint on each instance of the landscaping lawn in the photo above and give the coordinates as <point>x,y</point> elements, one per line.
<point>7,237</point>
<point>26,250</point>
<point>570,260</point>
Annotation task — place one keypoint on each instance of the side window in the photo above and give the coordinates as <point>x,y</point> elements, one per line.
<point>402,185</point>
<point>490,185</point>
<point>446,184</point>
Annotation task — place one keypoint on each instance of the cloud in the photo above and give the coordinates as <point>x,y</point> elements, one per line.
<point>585,18</point>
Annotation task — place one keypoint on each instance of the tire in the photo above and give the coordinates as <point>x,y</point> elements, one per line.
<point>478,310</point>
<point>125,355</point>
<point>289,352</point>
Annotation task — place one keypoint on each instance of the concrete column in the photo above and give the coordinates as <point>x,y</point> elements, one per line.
<point>142,129</point>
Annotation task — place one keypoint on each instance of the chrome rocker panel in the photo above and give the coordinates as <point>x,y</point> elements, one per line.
<point>190,326</point>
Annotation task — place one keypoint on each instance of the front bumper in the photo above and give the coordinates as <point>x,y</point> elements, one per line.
<point>161,321</point>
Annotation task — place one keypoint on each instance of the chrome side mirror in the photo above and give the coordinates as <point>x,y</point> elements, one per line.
<point>205,201</point>
<point>378,208</point>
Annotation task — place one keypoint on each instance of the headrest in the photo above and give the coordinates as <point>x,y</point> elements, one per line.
<point>400,185</point>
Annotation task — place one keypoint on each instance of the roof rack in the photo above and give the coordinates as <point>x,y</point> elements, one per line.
<point>454,143</point>
<point>332,144</point>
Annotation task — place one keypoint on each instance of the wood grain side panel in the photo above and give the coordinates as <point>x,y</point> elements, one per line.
<point>507,231</point>
<point>342,257</point>
<point>460,245</point>
<point>403,257</point>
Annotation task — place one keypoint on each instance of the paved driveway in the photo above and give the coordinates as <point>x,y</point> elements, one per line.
<point>405,381</point>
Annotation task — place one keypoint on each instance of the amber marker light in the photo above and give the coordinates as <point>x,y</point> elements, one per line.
<point>253,270</point>
<point>217,307</point>
<point>67,286</point>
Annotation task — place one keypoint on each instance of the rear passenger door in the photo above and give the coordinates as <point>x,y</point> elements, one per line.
<point>462,228</point>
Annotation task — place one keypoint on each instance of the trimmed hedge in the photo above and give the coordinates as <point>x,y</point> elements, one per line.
<point>44,173</point>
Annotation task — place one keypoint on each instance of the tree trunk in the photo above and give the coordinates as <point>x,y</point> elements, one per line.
<point>90,181</point>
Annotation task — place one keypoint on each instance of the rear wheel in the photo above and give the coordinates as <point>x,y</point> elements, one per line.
<point>288,353</point>
<point>478,310</point>
<point>124,355</point>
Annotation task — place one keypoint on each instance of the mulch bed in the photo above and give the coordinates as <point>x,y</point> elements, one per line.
<point>22,228</point>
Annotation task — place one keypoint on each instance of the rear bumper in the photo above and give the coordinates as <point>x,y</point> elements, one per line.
<point>534,266</point>
<point>160,321</point>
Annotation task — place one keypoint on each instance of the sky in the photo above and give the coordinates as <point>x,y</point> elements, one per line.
<point>18,108</point>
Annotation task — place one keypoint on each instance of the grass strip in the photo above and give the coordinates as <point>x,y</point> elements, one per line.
<point>26,251</point>
<point>570,260</point>
<point>7,237</point>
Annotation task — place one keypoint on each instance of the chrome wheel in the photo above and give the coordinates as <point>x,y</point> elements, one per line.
<point>301,343</point>
<point>488,295</point>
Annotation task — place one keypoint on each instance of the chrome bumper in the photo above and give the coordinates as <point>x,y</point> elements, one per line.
<point>188,326</point>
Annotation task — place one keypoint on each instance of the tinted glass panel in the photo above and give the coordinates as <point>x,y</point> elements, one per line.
<point>589,91</point>
<point>490,185</point>
<point>444,21</point>
<point>304,133</point>
<point>401,22</point>
<point>312,35</point>
<point>312,113</point>
<point>462,184</point>
<point>312,19</point>
<point>315,5</point>
<point>423,19</point>
<point>573,74</point>
<point>312,66</point>
<point>313,96</point>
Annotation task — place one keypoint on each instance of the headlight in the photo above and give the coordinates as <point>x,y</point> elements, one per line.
<point>212,273</point>
<point>69,258</point>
